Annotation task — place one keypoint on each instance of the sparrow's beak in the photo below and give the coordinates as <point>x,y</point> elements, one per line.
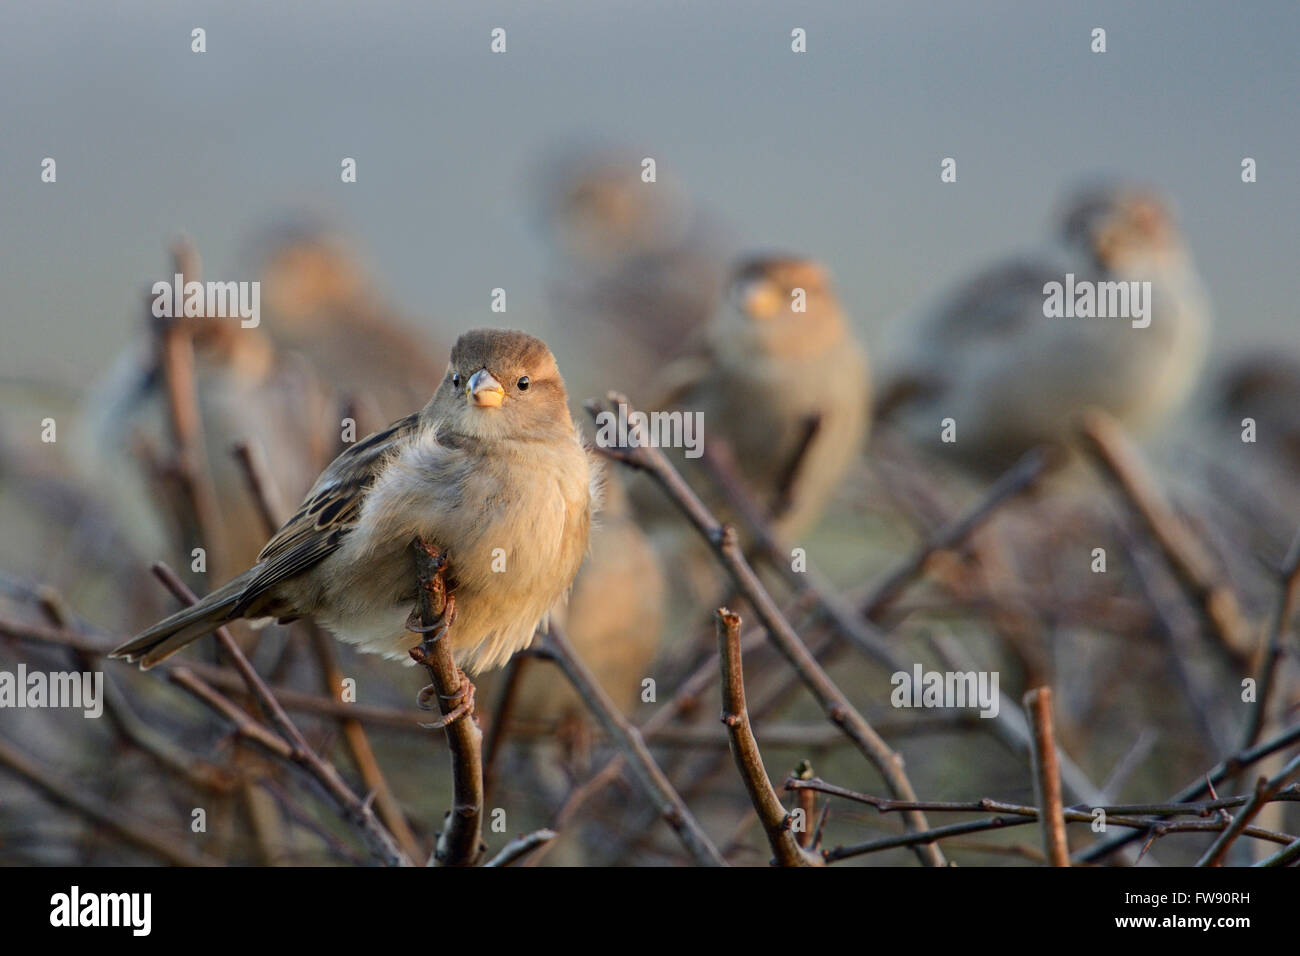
<point>484,390</point>
<point>759,299</point>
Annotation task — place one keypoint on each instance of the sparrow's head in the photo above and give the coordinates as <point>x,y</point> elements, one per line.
<point>1121,227</point>
<point>501,384</point>
<point>305,268</point>
<point>781,305</point>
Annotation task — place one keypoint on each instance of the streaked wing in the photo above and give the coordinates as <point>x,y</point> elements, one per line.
<point>327,514</point>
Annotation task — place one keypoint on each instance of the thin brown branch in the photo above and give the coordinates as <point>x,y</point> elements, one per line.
<point>1203,785</point>
<point>358,744</point>
<point>460,842</point>
<point>722,541</point>
<point>358,811</point>
<point>1266,674</point>
<point>252,464</point>
<point>874,605</point>
<point>1205,808</point>
<point>1141,827</point>
<point>1265,791</point>
<point>1009,724</point>
<point>501,715</point>
<point>1283,857</point>
<point>654,783</point>
<point>1131,816</point>
<point>1187,557</point>
<point>744,748</point>
<point>174,343</point>
<point>165,846</point>
<point>172,758</point>
<point>520,847</point>
<point>262,489</point>
<point>954,535</point>
<point>222,678</point>
<point>1047,776</point>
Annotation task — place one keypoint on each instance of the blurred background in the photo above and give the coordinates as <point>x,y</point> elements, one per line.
<point>465,161</point>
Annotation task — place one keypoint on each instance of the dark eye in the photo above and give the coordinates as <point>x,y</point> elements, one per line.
<point>523,383</point>
<point>455,380</point>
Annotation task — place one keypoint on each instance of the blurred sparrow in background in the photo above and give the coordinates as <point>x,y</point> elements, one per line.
<point>318,301</point>
<point>491,469</point>
<point>781,382</point>
<point>988,357</point>
<point>246,392</point>
<point>640,266</point>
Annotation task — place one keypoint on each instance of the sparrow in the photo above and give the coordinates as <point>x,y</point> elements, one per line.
<point>776,364</point>
<point>246,391</point>
<point>638,266</point>
<point>320,303</point>
<point>988,357</point>
<point>492,470</point>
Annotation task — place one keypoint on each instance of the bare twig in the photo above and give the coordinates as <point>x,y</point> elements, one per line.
<point>744,748</point>
<point>501,714</point>
<point>808,804</point>
<point>223,679</point>
<point>175,357</point>
<point>165,846</point>
<point>263,491</point>
<point>1265,790</point>
<point>722,540</point>
<point>1205,808</point>
<point>377,837</point>
<point>1131,816</point>
<point>459,843</point>
<point>1220,772</point>
<point>874,605</point>
<point>1047,777</point>
<point>1288,593</point>
<point>1283,857</point>
<point>252,464</point>
<point>520,847</point>
<point>1191,565</point>
<point>654,783</point>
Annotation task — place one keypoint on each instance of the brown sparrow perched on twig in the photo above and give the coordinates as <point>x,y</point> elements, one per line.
<point>492,470</point>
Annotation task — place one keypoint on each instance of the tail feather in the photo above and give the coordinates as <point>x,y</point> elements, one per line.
<point>185,626</point>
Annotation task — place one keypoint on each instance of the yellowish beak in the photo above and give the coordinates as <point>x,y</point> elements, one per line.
<point>484,390</point>
<point>760,299</point>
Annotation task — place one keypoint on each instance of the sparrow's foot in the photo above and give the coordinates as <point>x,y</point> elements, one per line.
<point>415,627</point>
<point>464,696</point>
<point>439,627</point>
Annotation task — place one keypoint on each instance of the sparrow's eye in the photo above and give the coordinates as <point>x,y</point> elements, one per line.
<point>455,380</point>
<point>523,383</point>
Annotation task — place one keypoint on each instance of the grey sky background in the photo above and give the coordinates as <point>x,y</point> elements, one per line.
<point>834,153</point>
